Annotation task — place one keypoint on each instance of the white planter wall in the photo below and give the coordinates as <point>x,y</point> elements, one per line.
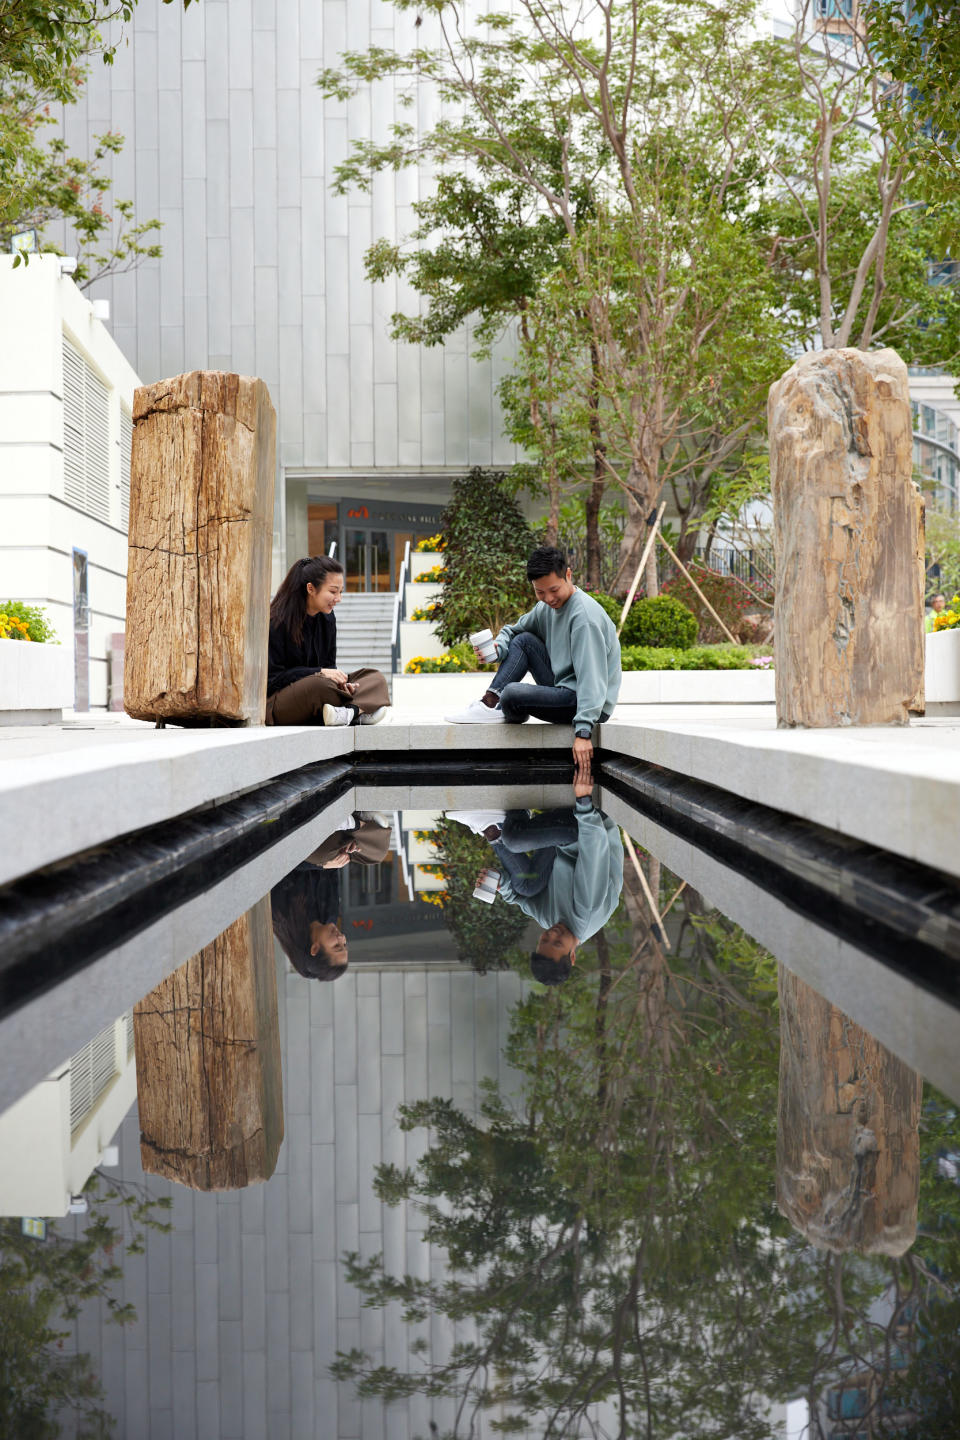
<point>942,670</point>
<point>422,561</point>
<point>36,681</point>
<point>437,694</point>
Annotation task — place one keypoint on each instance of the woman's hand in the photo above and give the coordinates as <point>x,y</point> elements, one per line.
<point>337,676</point>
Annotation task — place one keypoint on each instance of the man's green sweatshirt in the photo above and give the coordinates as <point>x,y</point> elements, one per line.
<point>586,880</point>
<point>584,651</point>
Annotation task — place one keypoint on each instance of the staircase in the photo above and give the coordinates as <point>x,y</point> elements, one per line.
<point>365,632</point>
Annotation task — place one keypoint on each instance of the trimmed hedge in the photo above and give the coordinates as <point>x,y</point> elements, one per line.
<point>697,657</point>
<point>653,620</point>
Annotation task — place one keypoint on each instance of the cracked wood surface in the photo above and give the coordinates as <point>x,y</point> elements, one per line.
<point>201,536</point>
<point>848,529</point>
<point>209,1085</point>
<point>848,1143</point>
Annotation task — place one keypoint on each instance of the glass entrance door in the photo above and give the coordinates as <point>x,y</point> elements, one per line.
<point>367,561</point>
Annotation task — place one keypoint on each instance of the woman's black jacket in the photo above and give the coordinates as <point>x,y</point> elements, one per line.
<point>317,650</point>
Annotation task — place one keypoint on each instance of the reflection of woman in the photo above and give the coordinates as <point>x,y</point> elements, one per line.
<point>304,685</point>
<point>306,914</point>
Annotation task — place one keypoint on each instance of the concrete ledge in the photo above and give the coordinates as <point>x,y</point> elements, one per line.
<point>894,787</point>
<point>905,1017</point>
<point>438,694</point>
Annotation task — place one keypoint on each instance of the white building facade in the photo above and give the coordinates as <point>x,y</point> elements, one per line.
<point>66,397</point>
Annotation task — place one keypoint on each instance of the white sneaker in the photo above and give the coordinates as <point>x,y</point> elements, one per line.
<point>476,713</point>
<point>375,716</point>
<point>338,714</point>
<point>477,820</point>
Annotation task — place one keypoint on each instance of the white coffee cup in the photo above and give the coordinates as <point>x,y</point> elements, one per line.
<point>488,883</point>
<point>483,642</point>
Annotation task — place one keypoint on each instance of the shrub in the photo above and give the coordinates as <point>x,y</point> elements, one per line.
<point>697,657</point>
<point>486,541</point>
<point>25,622</point>
<point>483,934</point>
<point>660,620</point>
<point>610,603</point>
<point>732,602</point>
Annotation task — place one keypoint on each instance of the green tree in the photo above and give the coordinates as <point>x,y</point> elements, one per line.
<point>486,544</point>
<point>43,1287</point>
<point>485,934</point>
<point>42,41</point>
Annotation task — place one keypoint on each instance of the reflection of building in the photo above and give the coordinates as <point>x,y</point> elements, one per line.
<point>53,1138</point>
<point>66,394</point>
<point>936,436</point>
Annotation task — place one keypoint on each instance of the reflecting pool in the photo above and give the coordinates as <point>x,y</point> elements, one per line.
<point>473,1121</point>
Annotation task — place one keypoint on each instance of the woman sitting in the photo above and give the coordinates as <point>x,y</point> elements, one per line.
<point>304,685</point>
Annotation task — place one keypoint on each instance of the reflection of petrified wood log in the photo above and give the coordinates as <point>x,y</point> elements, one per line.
<point>201,533</point>
<point>848,1153</point>
<point>208,1063</point>
<point>848,524</point>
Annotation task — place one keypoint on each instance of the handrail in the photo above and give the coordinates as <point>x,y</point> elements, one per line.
<point>398,609</point>
<point>332,552</point>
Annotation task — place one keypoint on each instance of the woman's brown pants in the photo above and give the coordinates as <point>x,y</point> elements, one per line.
<point>302,702</point>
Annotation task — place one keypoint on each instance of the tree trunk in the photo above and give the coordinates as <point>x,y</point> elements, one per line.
<point>599,484</point>
<point>848,1146</point>
<point>848,525</point>
<point>201,537</point>
<point>634,532</point>
<point>209,1087</point>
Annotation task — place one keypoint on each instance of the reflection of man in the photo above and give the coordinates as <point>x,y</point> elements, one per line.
<point>564,868</point>
<point>937,604</point>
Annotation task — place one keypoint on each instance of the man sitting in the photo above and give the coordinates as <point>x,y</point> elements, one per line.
<point>569,644</point>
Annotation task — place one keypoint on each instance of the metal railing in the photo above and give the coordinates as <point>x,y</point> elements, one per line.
<point>398,611</point>
<point>332,552</point>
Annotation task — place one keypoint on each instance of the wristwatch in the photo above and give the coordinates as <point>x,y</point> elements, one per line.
<point>584,733</point>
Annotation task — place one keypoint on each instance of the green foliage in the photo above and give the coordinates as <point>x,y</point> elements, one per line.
<point>41,42</point>
<point>942,540</point>
<point>660,620</point>
<point>43,1287</point>
<point>487,542</point>
<point>731,600</point>
<point>34,617</point>
<point>484,934</point>
<point>697,657</point>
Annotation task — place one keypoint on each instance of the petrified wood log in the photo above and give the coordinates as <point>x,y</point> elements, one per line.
<point>201,534</point>
<point>848,529</point>
<point>848,1150</point>
<point>207,1040</point>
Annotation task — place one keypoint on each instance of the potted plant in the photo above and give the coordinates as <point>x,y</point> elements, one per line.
<point>36,680</point>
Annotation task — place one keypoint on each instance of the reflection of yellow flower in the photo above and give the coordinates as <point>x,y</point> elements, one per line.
<point>432,897</point>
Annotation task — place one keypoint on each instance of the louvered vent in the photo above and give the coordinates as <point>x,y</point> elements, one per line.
<point>86,436</point>
<point>126,445</point>
<point>74,442</point>
<point>128,1020</point>
<point>91,1071</point>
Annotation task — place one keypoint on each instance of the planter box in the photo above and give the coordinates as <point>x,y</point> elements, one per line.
<point>418,637</point>
<point>438,694</point>
<point>36,682</point>
<point>942,672</point>
<point>422,561</point>
<point>416,595</point>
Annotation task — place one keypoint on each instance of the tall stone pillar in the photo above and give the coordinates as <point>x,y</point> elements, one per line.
<point>209,1085</point>
<point>848,529</point>
<point>201,533</point>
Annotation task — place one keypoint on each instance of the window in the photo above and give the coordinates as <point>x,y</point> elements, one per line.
<point>86,436</point>
<point>834,9</point>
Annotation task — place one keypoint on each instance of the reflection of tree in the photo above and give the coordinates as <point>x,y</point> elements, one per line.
<point>483,933</point>
<point>43,1285</point>
<point>616,1244</point>
<point>616,1264</point>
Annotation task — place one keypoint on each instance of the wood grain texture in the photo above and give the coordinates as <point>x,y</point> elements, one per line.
<point>201,529</point>
<point>848,1147</point>
<point>848,529</point>
<point>209,1086</point>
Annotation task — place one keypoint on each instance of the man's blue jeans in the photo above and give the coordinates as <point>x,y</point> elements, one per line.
<point>527,847</point>
<point>543,700</point>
